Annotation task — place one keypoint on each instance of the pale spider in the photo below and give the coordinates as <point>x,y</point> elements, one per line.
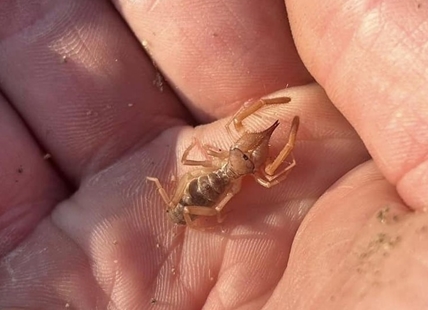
<point>205,191</point>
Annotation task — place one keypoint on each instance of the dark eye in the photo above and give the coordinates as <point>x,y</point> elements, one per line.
<point>245,157</point>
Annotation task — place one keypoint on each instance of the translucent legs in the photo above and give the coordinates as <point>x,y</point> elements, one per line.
<point>269,176</point>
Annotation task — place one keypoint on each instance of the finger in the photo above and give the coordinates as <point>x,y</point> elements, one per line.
<point>81,82</point>
<point>219,54</point>
<point>371,61</point>
<point>48,271</point>
<point>29,185</point>
<point>357,242</point>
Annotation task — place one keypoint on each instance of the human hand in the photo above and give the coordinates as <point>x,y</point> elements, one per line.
<point>84,230</point>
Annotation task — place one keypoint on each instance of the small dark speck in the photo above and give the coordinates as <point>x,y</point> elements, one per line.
<point>423,229</point>
<point>381,237</point>
<point>382,215</point>
<point>20,169</point>
<point>215,34</point>
<point>419,5</point>
<point>153,301</point>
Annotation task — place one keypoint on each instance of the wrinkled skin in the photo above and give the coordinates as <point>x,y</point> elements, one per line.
<point>84,230</point>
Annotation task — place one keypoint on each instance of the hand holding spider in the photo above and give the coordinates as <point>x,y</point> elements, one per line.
<point>86,116</point>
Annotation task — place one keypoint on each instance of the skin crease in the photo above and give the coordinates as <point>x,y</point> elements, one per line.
<point>81,228</point>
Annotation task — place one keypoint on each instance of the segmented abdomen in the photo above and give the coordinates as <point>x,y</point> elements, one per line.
<point>205,190</point>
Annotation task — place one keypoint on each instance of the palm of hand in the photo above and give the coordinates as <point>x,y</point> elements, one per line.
<point>84,230</point>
